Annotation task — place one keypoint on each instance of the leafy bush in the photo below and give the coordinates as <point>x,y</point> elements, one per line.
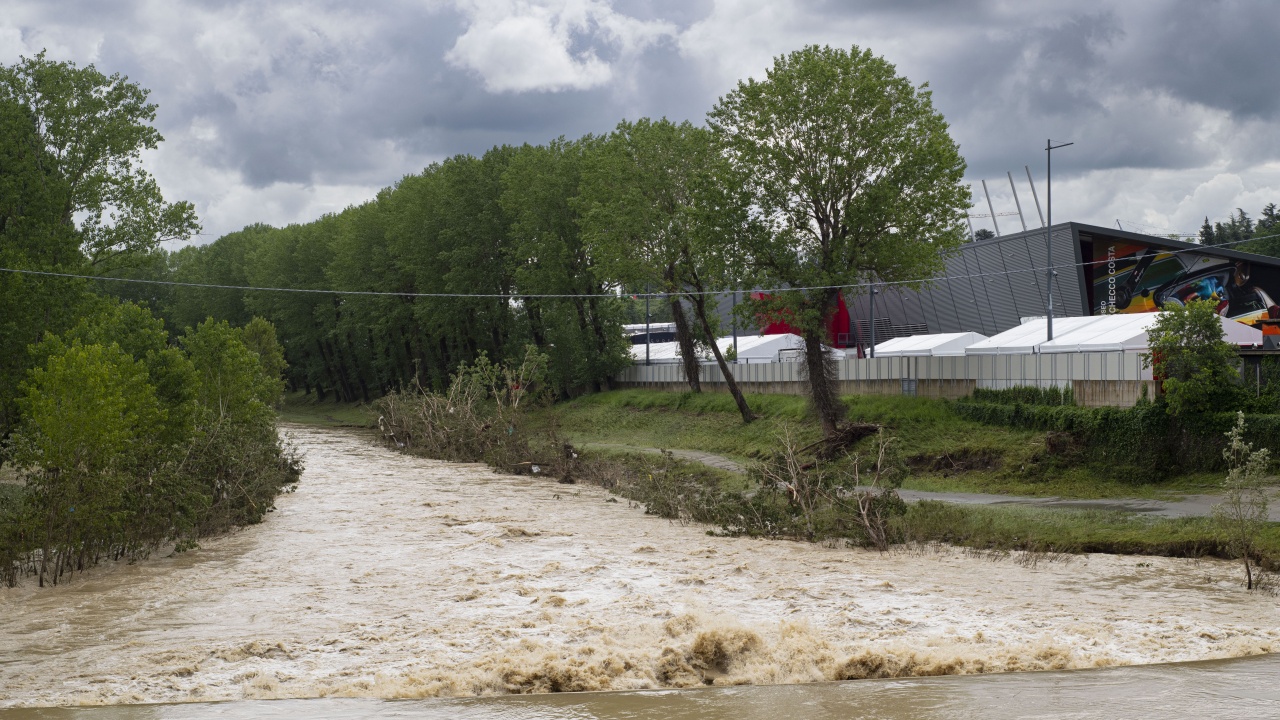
<point>1199,369</point>
<point>1025,395</point>
<point>1140,443</point>
<point>125,442</point>
<point>478,418</point>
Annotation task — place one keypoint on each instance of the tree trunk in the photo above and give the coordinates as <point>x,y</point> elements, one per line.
<point>684,338</point>
<point>328,370</point>
<point>822,382</point>
<point>700,306</point>
<point>602,339</point>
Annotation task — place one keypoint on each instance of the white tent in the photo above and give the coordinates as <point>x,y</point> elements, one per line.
<point>1103,333</point>
<point>1025,338</point>
<point>1128,333</point>
<point>751,349</point>
<point>926,345</point>
<point>761,348</point>
<point>659,353</point>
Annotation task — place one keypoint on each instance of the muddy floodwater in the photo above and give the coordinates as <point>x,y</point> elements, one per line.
<point>386,576</point>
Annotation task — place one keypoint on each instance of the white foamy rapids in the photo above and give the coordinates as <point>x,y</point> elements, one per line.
<point>391,576</point>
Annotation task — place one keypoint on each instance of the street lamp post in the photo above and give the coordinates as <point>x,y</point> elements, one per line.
<point>646,324</point>
<point>1049,147</point>
<point>872,352</point>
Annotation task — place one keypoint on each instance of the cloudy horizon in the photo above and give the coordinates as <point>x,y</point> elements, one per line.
<point>281,112</point>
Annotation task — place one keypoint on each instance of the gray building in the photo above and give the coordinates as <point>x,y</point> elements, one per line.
<point>990,285</point>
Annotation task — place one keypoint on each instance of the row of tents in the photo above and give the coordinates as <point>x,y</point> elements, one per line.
<point>1102,333</point>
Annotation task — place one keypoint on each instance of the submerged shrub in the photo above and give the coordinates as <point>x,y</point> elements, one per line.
<point>479,417</point>
<point>125,442</point>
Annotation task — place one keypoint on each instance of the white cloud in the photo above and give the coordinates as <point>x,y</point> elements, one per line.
<point>522,46</point>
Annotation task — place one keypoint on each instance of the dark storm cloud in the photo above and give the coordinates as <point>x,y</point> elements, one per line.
<point>1221,54</point>
<point>337,95</point>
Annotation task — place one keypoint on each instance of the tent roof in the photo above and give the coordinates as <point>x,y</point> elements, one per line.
<point>761,347</point>
<point>751,348</point>
<point>1025,338</point>
<point>1103,333</point>
<point>921,345</point>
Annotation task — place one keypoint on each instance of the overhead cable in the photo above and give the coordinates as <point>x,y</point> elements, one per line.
<point>534,296</point>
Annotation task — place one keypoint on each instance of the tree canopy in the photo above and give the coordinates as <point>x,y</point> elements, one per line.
<point>92,129</point>
<point>854,177</point>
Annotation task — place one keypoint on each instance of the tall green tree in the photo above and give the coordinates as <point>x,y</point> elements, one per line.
<point>1237,229</point>
<point>1266,237</point>
<point>1206,233</point>
<point>92,129</point>
<point>653,218</point>
<point>86,416</point>
<point>581,331</point>
<point>636,196</point>
<point>32,237</point>
<point>856,178</point>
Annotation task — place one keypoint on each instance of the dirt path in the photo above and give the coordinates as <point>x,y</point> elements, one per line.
<point>1183,506</point>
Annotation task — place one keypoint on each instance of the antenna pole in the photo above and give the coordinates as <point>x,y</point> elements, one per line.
<point>1015,201</point>
<point>1035,197</point>
<point>1049,147</point>
<point>991,208</point>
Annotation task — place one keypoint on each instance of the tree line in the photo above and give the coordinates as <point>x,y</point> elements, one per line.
<point>831,171</point>
<point>116,435</point>
<point>1243,233</point>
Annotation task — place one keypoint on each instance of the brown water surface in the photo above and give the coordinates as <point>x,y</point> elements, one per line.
<point>386,576</point>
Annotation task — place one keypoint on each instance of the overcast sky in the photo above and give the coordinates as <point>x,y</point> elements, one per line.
<point>279,111</point>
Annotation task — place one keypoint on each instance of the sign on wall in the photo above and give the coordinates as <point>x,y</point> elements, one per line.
<point>1129,278</point>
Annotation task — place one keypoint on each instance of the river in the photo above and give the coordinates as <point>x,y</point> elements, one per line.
<point>387,576</point>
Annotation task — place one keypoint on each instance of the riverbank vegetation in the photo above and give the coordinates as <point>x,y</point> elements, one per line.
<point>788,489</point>
<point>116,436</point>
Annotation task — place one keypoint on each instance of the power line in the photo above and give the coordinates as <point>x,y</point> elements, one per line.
<point>534,296</point>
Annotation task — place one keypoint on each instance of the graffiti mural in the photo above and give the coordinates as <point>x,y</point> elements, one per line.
<point>1131,278</point>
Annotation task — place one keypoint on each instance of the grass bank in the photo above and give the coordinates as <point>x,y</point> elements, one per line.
<point>304,409</point>
<point>937,449</point>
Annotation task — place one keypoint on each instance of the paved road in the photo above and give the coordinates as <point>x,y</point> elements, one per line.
<point>1184,506</point>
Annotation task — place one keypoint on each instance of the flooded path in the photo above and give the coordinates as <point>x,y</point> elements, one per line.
<point>387,576</point>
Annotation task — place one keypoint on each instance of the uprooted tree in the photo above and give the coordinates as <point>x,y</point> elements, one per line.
<point>854,177</point>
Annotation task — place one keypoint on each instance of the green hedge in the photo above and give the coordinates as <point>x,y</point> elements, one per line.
<point>1142,442</point>
<point>1025,395</point>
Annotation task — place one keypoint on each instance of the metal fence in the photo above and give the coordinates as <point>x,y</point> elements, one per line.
<point>1104,378</point>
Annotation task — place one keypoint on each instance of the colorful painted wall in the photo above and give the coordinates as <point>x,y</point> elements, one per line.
<point>1133,278</point>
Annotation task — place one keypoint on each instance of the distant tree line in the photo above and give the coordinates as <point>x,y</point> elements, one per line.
<point>1243,233</point>
<point>832,171</point>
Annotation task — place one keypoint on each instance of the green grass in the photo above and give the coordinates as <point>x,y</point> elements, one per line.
<point>941,451</point>
<point>709,422</point>
<point>306,410</point>
<point>1073,531</point>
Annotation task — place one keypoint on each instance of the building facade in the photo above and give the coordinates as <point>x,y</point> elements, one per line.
<point>990,285</point>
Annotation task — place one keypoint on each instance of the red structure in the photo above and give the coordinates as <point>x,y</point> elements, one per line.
<point>837,324</point>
